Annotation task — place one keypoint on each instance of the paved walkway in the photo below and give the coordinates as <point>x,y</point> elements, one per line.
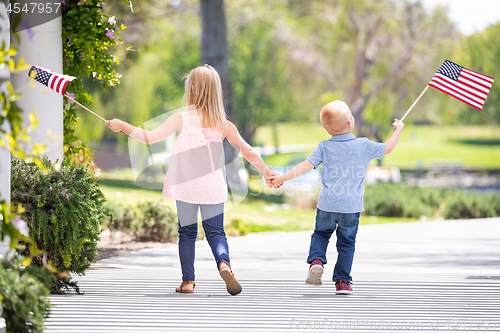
<point>433,276</point>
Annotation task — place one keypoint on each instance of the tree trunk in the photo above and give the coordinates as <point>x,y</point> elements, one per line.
<point>214,52</point>
<point>214,46</point>
<point>357,108</point>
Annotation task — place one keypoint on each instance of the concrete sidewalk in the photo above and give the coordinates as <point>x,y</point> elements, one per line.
<point>432,276</point>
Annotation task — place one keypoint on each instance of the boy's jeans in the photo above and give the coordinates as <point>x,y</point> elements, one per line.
<point>347,227</point>
<point>213,225</point>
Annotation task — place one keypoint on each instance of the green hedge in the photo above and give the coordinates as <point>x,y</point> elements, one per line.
<point>400,200</point>
<point>148,221</point>
<point>63,209</point>
<point>24,295</point>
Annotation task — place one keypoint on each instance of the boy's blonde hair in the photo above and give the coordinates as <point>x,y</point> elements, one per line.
<point>334,117</point>
<point>203,89</point>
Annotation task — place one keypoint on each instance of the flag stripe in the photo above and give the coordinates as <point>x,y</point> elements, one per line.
<point>64,87</point>
<point>52,79</point>
<point>471,85</point>
<point>479,75</point>
<point>59,84</point>
<point>456,93</point>
<point>483,85</point>
<point>460,86</point>
<point>57,81</point>
<point>448,91</point>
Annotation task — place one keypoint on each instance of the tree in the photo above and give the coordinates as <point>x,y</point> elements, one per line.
<point>214,45</point>
<point>366,49</point>
<point>261,78</point>
<point>480,52</point>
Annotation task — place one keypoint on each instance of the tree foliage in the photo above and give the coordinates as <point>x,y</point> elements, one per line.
<point>372,54</point>
<point>87,35</point>
<point>480,52</point>
<point>288,58</point>
<point>153,84</point>
<point>259,76</point>
<point>24,295</point>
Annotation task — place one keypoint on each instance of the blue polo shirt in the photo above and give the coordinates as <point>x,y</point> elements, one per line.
<point>345,160</point>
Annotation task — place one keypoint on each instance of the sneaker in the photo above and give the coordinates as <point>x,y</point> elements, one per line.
<point>343,287</point>
<point>315,273</point>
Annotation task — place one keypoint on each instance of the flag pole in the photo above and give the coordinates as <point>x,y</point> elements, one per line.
<point>411,107</point>
<point>95,114</point>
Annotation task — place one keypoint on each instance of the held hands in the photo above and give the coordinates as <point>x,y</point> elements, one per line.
<point>275,181</point>
<point>114,125</point>
<point>398,125</point>
<point>270,176</point>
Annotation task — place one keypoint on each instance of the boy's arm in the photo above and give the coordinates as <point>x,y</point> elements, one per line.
<point>393,140</point>
<point>248,151</point>
<point>294,172</point>
<point>172,124</point>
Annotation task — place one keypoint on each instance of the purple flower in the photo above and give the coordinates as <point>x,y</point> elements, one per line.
<point>72,96</point>
<point>26,26</point>
<point>103,6</point>
<point>80,3</point>
<point>69,41</point>
<point>22,226</point>
<point>30,33</point>
<point>64,3</point>
<point>110,33</point>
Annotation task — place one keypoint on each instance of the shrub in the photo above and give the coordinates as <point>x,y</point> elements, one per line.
<point>399,200</point>
<point>155,222</point>
<point>236,228</point>
<point>118,217</point>
<point>462,206</point>
<point>24,295</point>
<point>63,209</point>
<point>148,221</point>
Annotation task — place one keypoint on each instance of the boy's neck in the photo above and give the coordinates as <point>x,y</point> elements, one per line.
<point>349,130</point>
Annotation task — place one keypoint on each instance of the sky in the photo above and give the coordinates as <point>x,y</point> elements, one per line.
<point>470,15</point>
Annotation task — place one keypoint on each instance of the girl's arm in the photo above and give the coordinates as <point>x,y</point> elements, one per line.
<point>172,124</point>
<point>247,151</point>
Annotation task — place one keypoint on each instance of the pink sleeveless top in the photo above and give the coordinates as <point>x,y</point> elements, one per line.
<point>196,171</point>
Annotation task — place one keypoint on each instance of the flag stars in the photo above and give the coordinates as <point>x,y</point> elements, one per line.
<point>450,69</point>
<point>42,77</point>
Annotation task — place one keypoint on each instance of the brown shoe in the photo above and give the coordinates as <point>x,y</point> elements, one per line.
<point>182,289</point>
<point>232,285</point>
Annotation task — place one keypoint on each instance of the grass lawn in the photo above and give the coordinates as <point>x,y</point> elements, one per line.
<point>475,147</point>
<point>257,215</point>
<point>472,146</point>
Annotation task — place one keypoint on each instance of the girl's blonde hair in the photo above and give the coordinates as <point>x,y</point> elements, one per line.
<point>203,89</point>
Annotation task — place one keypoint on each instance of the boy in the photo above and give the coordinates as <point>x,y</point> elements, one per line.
<point>345,160</point>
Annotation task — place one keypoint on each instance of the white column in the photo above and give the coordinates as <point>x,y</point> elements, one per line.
<point>4,152</point>
<point>42,46</point>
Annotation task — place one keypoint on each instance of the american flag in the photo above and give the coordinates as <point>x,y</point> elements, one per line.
<point>465,85</point>
<point>54,81</point>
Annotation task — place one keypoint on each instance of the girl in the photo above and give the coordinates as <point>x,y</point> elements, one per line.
<point>195,177</point>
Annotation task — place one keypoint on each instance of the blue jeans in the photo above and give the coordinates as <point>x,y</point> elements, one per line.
<point>347,228</point>
<point>213,224</point>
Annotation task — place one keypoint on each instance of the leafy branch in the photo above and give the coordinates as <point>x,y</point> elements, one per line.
<point>87,36</point>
